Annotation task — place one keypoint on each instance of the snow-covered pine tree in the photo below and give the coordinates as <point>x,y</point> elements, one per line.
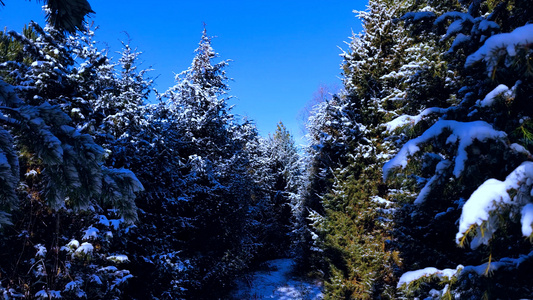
<point>470,163</point>
<point>218,193</point>
<point>193,158</point>
<point>65,189</point>
<point>353,230</point>
<point>278,173</point>
<point>381,66</point>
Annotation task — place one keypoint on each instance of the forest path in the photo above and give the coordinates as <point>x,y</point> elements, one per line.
<point>276,281</point>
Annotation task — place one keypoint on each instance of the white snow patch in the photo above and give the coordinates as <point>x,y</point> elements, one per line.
<point>119,258</point>
<point>465,133</point>
<point>86,248</point>
<point>90,233</point>
<point>96,279</point>
<point>411,276</point>
<point>277,283</point>
<point>43,294</point>
<point>115,223</point>
<point>519,149</point>
<point>407,119</point>
<point>419,15</point>
<point>73,244</point>
<point>30,173</point>
<point>486,24</point>
<point>458,41</point>
<point>41,250</point>
<point>488,197</point>
<point>73,285</point>
<point>439,171</point>
<point>481,270</point>
<point>381,200</point>
<point>508,42</point>
<point>527,219</point>
<point>501,89</point>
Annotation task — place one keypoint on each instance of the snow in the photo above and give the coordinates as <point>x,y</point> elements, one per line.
<point>277,283</point>
<point>119,258</point>
<point>439,170</point>
<point>73,285</point>
<point>115,223</point>
<point>411,276</point>
<point>48,294</point>
<point>486,24</point>
<point>489,52</point>
<point>506,262</point>
<point>488,197</point>
<point>458,41</point>
<point>381,200</point>
<point>41,293</point>
<point>463,133</point>
<point>41,250</point>
<point>501,89</point>
<point>454,15</point>
<point>407,119</point>
<point>38,63</point>
<point>108,269</point>
<point>481,270</point>
<point>527,219</point>
<point>519,149</point>
<point>31,173</point>
<point>73,244</point>
<point>96,279</point>
<point>90,233</point>
<point>419,15</point>
<point>86,248</point>
<point>455,27</point>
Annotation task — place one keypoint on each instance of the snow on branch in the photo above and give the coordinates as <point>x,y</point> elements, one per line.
<point>439,171</point>
<point>500,90</point>
<point>490,196</point>
<point>446,274</point>
<point>411,276</point>
<point>508,42</point>
<point>407,119</point>
<point>463,133</point>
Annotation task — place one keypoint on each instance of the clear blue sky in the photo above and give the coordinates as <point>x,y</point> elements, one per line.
<point>282,50</point>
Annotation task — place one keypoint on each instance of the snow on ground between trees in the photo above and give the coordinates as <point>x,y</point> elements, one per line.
<point>277,283</point>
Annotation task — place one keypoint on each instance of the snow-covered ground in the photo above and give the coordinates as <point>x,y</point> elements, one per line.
<point>277,282</point>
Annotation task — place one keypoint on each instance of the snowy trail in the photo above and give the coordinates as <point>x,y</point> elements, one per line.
<point>277,283</point>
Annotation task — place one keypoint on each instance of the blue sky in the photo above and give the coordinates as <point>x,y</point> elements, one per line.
<point>282,51</point>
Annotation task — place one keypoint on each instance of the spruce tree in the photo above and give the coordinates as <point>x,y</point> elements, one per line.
<point>193,157</point>
<point>465,163</point>
<point>65,193</point>
<point>381,70</point>
<point>278,172</point>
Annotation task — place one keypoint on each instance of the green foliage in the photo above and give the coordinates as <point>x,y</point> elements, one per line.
<point>355,240</point>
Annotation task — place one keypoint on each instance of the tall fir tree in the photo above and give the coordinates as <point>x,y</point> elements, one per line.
<point>356,228</point>
<point>64,191</point>
<point>470,163</point>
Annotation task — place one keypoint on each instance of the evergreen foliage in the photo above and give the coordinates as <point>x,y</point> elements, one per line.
<point>432,101</point>
<point>64,191</point>
<point>66,15</point>
<point>417,181</point>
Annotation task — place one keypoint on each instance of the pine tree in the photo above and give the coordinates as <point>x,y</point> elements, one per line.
<point>64,192</point>
<point>193,157</point>
<point>217,194</point>
<point>278,173</point>
<point>382,68</point>
<point>66,15</point>
<point>467,164</point>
